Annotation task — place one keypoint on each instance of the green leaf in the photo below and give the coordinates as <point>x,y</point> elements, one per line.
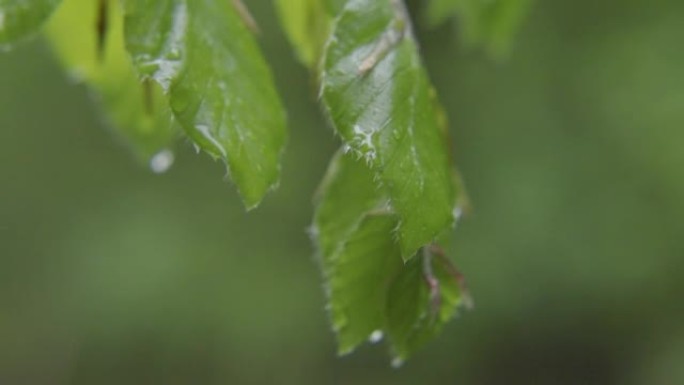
<point>346,194</point>
<point>307,24</point>
<point>356,249</point>
<point>220,87</point>
<point>411,321</point>
<point>352,249</point>
<point>379,98</point>
<point>370,291</point>
<point>20,18</point>
<point>138,112</point>
<point>489,24</point>
<point>358,281</point>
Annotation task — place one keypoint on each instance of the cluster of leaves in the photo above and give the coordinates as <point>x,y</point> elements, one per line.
<point>164,68</point>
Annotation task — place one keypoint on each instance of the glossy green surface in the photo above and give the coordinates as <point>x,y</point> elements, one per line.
<point>138,113</point>
<point>219,85</point>
<point>387,114</point>
<point>20,18</point>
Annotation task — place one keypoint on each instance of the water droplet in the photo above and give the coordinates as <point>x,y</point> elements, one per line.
<point>313,231</point>
<point>174,54</point>
<point>457,213</point>
<point>375,337</point>
<point>397,362</point>
<point>161,161</point>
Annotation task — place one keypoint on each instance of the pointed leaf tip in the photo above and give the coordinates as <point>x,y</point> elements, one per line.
<point>220,88</point>
<point>388,116</point>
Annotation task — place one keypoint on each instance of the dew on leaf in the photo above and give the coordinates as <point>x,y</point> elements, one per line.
<point>457,213</point>
<point>375,337</point>
<point>397,362</point>
<point>161,161</point>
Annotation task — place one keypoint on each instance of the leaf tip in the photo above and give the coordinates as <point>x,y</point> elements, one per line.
<point>344,350</point>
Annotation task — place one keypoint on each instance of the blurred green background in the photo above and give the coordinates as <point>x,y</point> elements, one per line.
<point>573,153</point>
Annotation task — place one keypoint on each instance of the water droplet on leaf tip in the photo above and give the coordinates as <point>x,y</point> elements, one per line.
<point>312,231</point>
<point>161,161</point>
<point>397,362</point>
<point>457,213</point>
<point>375,337</point>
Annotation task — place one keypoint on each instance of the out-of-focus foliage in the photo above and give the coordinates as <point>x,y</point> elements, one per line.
<point>572,153</point>
<point>307,24</point>
<point>490,24</point>
<point>138,111</point>
<point>20,18</point>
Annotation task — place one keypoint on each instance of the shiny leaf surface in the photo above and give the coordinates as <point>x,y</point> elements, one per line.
<point>203,54</point>
<point>379,98</point>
